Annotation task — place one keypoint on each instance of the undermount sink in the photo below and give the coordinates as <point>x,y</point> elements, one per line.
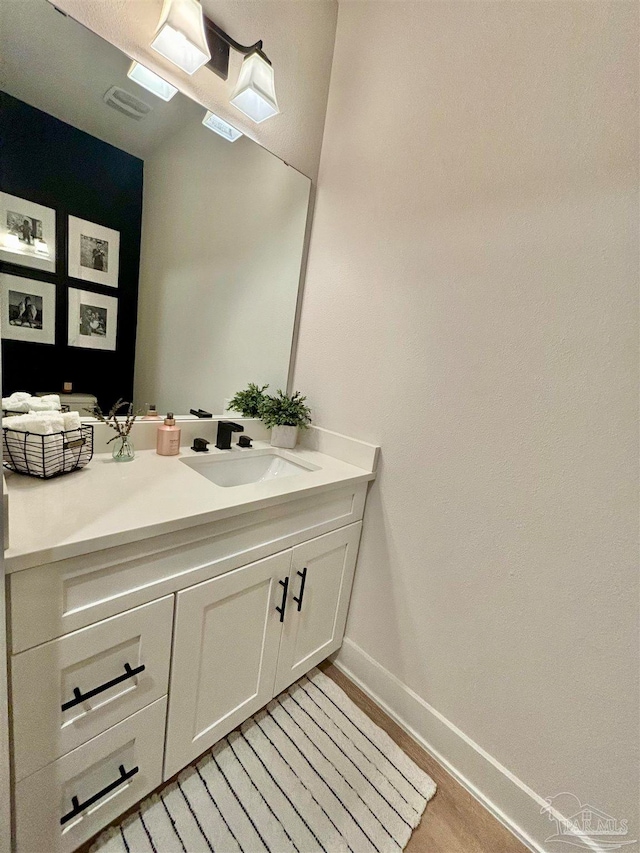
<point>242,467</point>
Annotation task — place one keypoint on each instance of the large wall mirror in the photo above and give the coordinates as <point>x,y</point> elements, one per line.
<point>142,256</point>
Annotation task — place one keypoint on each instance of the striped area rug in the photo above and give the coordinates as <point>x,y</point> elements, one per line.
<point>310,772</point>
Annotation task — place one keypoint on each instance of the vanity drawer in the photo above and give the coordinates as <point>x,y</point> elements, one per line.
<point>51,600</point>
<point>109,774</point>
<point>103,662</point>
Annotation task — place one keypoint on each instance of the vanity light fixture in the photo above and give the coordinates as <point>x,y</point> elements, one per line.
<point>254,93</point>
<point>180,36</point>
<point>190,40</point>
<point>150,81</point>
<point>221,127</point>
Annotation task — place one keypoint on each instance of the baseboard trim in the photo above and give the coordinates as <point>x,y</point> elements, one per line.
<point>483,776</point>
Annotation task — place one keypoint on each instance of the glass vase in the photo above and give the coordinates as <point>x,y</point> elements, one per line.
<point>123,449</point>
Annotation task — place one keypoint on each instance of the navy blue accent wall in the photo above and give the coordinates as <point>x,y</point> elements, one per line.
<point>52,163</point>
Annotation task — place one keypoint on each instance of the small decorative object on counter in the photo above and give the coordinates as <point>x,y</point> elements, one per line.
<point>249,402</point>
<point>123,450</point>
<point>152,413</point>
<point>168,441</point>
<point>285,415</point>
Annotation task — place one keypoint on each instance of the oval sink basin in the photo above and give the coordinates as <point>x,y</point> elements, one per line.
<point>242,467</point>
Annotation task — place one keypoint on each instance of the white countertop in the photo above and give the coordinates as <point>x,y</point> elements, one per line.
<point>109,503</point>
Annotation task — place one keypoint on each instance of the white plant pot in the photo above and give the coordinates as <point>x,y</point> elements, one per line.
<point>284,436</point>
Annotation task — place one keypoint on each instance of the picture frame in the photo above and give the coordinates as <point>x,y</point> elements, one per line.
<point>94,252</point>
<point>93,320</point>
<point>28,309</point>
<point>27,233</point>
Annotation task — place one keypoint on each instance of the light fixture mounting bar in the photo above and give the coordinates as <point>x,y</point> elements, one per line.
<point>219,43</point>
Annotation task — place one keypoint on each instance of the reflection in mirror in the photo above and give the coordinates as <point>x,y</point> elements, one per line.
<point>141,255</point>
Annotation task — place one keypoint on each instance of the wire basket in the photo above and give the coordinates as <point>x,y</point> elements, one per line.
<point>47,456</point>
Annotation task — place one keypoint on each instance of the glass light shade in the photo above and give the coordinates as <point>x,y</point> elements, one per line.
<point>221,127</point>
<point>255,91</point>
<point>180,36</point>
<point>150,81</point>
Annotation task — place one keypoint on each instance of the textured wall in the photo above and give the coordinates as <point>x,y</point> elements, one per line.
<point>471,305</point>
<point>298,38</point>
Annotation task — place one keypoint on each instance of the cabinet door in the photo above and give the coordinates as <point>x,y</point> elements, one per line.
<point>319,590</point>
<point>226,638</point>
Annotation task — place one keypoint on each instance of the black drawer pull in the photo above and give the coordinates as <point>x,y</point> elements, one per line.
<point>283,603</point>
<point>303,575</point>
<point>79,697</point>
<point>78,807</point>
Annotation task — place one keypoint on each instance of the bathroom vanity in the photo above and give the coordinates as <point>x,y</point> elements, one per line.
<point>153,605</point>
<point>153,610</point>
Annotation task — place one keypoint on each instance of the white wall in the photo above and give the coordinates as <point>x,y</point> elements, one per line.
<point>471,305</point>
<point>222,237</point>
<point>298,39</point>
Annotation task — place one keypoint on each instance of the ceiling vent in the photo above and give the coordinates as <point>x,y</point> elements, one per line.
<point>126,103</point>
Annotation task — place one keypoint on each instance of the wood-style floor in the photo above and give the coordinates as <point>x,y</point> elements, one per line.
<point>454,821</point>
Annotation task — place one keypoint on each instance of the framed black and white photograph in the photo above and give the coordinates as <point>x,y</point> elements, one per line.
<point>93,320</point>
<point>28,309</point>
<point>27,233</point>
<point>94,252</point>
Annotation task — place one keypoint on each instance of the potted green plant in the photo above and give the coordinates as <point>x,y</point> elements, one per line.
<point>249,402</point>
<point>285,415</point>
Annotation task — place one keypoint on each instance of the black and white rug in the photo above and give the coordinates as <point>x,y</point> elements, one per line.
<point>310,772</point>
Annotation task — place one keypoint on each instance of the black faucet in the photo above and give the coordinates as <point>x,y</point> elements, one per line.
<point>225,428</point>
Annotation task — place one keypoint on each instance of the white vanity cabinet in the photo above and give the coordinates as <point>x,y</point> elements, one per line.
<point>243,637</point>
<point>235,610</point>
<point>225,654</point>
<point>319,587</point>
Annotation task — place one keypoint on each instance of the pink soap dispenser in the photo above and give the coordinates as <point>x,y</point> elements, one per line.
<point>168,440</point>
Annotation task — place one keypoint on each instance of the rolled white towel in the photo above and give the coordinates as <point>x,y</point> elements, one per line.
<point>39,424</point>
<point>56,418</point>
<point>71,420</point>
<point>10,404</point>
<point>19,422</point>
<point>19,396</point>
<point>47,413</point>
<point>37,404</point>
<point>50,398</point>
